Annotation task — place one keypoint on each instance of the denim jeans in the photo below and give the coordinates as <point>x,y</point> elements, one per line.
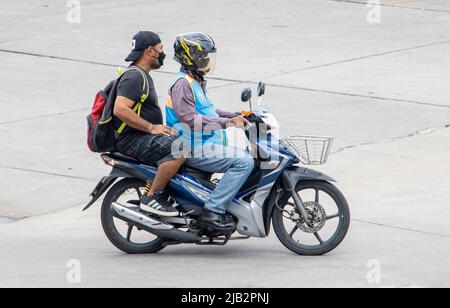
<point>236,164</point>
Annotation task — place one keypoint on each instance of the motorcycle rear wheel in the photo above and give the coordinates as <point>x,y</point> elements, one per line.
<point>119,232</point>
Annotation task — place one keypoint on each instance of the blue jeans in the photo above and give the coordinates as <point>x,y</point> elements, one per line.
<point>236,164</point>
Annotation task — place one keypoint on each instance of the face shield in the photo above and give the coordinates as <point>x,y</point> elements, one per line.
<point>207,63</point>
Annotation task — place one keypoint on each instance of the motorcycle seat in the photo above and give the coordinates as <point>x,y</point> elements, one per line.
<point>204,177</point>
<point>196,173</point>
<point>123,157</point>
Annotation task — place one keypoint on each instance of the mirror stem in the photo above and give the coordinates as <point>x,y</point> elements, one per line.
<point>259,101</point>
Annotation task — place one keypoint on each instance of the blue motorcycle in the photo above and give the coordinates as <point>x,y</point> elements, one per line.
<point>309,214</point>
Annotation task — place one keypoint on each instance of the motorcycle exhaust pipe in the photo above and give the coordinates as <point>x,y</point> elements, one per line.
<point>152,225</point>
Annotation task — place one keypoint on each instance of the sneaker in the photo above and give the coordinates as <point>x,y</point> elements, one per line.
<point>158,205</point>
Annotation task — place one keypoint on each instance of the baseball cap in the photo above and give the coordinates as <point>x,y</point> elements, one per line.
<point>141,41</point>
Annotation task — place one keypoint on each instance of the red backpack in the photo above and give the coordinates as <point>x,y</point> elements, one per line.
<point>102,135</point>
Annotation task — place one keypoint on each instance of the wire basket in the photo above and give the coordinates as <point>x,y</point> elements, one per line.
<point>310,150</point>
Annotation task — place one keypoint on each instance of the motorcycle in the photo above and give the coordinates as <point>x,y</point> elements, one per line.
<point>309,214</point>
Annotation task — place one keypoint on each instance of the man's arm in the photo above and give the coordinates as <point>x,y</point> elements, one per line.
<point>227,114</point>
<point>184,106</point>
<point>123,109</point>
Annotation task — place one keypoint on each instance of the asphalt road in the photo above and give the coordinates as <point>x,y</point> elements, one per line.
<point>381,89</point>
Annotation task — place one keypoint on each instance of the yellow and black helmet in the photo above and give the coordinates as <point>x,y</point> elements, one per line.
<point>195,51</point>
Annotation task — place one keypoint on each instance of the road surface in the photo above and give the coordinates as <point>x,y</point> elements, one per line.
<point>380,88</point>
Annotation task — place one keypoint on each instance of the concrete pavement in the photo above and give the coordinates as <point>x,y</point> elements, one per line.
<point>380,89</point>
<point>394,227</point>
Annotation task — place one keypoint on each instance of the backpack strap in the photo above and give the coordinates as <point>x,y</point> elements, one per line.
<point>145,85</point>
<point>145,92</point>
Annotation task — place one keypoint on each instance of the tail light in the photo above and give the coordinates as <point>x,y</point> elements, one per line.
<point>108,160</point>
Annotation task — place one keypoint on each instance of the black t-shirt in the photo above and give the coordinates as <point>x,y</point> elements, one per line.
<point>130,86</point>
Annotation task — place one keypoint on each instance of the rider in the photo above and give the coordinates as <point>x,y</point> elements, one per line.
<point>188,104</point>
<point>145,137</point>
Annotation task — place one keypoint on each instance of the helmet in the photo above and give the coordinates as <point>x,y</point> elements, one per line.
<point>195,51</point>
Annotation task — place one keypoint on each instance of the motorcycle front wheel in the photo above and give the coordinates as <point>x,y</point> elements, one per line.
<point>328,223</point>
<point>121,234</point>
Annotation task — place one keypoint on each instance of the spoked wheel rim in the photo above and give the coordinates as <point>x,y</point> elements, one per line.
<point>328,221</point>
<point>130,197</point>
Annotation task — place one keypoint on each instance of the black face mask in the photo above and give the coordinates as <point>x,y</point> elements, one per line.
<point>160,58</point>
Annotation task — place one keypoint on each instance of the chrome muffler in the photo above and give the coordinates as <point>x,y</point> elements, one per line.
<point>152,225</point>
<point>141,219</point>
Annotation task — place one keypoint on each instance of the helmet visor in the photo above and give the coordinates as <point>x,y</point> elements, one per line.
<point>207,63</point>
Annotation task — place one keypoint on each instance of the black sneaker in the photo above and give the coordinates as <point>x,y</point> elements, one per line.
<point>158,205</point>
<point>216,221</point>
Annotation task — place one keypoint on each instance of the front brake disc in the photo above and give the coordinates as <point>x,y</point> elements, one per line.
<point>318,218</point>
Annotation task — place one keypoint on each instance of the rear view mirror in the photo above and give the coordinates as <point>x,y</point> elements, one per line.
<point>261,89</point>
<point>246,95</point>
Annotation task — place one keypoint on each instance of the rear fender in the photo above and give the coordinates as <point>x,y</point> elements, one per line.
<point>100,189</point>
<point>120,170</point>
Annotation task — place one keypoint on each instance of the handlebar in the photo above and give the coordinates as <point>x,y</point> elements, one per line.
<point>254,119</point>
